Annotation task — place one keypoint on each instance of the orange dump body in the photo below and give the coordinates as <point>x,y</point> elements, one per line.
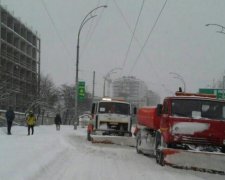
<point>147,116</point>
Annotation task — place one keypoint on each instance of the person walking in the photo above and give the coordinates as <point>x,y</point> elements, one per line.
<point>58,121</point>
<point>10,115</point>
<point>31,120</point>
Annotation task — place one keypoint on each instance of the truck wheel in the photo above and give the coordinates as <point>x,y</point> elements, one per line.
<point>138,143</point>
<point>163,143</point>
<point>130,134</point>
<point>88,136</point>
<point>157,142</point>
<point>159,157</point>
<point>223,149</point>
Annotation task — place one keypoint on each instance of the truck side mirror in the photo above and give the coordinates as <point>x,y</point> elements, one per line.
<point>159,109</point>
<point>135,110</point>
<point>93,109</point>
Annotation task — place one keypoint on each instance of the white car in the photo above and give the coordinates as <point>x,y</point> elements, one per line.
<point>84,120</point>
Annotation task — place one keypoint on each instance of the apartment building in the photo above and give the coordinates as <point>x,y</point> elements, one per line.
<point>19,63</point>
<point>132,89</point>
<point>135,91</point>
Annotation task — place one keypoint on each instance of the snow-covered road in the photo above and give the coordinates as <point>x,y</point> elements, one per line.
<point>66,155</point>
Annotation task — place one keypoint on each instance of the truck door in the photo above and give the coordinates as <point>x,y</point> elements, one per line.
<point>213,114</point>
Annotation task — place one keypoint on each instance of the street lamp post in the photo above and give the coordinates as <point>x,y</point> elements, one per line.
<point>218,25</point>
<point>178,76</point>
<point>84,21</point>
<point>107,78</point>
<point>223,87</point>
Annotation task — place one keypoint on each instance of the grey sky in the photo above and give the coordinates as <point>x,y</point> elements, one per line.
<point>180,42</point>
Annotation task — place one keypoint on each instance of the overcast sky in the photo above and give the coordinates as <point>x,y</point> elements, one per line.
<point>179,42</point>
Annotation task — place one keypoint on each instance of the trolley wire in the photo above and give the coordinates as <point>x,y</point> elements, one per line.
<point>131,40</point>
<point>145,43</point>
<point>135,38</point>
<point>138,41</point>
<point>56,30</point>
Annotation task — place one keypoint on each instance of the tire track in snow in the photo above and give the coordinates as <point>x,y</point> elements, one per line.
<point>82,160</point>
<point>54,169</point>
<point>61,167</point>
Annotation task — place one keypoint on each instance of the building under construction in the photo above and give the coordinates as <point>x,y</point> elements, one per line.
<point>19,63</point>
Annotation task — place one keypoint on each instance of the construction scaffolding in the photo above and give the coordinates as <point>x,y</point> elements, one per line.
<point>19,63</point>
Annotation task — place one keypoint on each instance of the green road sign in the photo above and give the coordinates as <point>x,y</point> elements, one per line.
<point>81,90</point>
<point>220,93</point>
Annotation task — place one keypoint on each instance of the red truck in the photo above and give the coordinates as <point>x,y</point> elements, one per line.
<point>187,130</point>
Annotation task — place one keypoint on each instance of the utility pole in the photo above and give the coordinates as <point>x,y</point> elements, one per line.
<point>223,87</point>
<point>93,89</point>
<point>88,17</point>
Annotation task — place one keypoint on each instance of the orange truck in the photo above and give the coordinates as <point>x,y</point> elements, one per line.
<point>186,131</point>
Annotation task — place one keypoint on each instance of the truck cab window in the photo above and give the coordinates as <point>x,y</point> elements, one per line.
<point>114,107</point>
<point>213,110</point>
<point>185,107</point>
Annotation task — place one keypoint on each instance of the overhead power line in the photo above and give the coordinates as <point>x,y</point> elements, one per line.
<point>55,28</point>
<point>131,40</point>
<point>145,43</point>
<point>122,15</point>
<point>136,39</point>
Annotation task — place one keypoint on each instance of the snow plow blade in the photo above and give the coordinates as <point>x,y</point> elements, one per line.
<point>119,140</point>
<point>211,162</point>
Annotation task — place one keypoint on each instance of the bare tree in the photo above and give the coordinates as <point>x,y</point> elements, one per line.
<point>217,83</point>
<point>47,101</point>
<point>48,91</point>
<point>68,95</point>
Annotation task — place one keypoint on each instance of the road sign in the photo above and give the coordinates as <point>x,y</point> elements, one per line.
<point>220,93</point>
<point>81,90</point>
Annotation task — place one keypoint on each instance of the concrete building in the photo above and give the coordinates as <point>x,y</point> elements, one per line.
<point>132,89</point>
<point>19,63</point>
<point>135,91</point>
<point>152,98</point>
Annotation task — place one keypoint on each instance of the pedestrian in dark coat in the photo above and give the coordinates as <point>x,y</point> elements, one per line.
<point>58,121</point>
<point>10,115</point>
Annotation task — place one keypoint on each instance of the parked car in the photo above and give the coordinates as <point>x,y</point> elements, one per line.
<point>84,120</point>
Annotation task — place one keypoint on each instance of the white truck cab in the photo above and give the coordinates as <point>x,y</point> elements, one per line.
<point>111,117</point>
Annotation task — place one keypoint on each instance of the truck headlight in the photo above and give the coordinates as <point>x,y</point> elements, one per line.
<point>224,142</point>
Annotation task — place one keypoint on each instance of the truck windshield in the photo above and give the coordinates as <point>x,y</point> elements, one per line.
<point>114,107</point>
<point>198,108</point>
